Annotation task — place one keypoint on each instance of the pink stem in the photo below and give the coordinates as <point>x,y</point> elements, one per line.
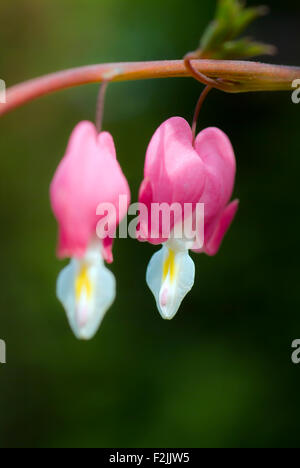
<point>246,76</point>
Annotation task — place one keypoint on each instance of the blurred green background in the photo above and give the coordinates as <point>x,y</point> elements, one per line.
<point>220,374</point>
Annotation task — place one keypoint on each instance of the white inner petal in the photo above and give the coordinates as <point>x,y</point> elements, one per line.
<point>86,288</point>
<point>170,276</point>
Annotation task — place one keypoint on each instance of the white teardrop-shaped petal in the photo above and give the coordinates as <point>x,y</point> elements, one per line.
<point>170,276</point>
<point>87,289</point>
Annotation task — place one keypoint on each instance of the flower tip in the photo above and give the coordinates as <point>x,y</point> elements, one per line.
<point>165,308</point>
<point>167,317</point>
<point>82,336</point>
<point>165,313</point>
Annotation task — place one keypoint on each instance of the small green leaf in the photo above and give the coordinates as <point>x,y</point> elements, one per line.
<point>216,33</point>
<point>232,18</point>
<point>247,16</point>
<point>228,10</point>
<point>244,48</point>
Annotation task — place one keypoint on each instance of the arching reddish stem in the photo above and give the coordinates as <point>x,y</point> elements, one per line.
<point>245,76</point>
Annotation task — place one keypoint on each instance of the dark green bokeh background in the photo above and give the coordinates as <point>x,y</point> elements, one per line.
<point>218,375</point>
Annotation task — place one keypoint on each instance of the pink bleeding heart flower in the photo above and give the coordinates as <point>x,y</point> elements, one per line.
<point>89,175</point>
<point>179,172</point>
